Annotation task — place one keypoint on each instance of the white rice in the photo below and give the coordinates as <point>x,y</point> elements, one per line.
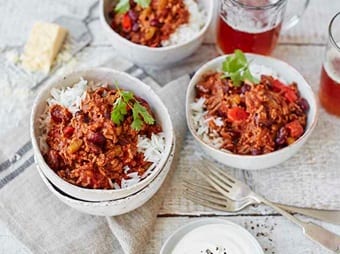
<point>257,70</point>
<point>71,98</point>
<point>201,124</point>
<point>187,31</point>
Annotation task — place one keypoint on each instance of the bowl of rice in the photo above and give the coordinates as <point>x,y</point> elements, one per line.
<point>158,34</point>
<point>100,134</point>
<point>255,123</point>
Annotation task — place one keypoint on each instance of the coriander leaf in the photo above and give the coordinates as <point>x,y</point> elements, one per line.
<point>127,96</point>
<point>248,76</point>
<point>236,78</point>
<point>143,3</point>
<point>119,111</point>
<point>122,6</point>
<point>148,119</point>
<point>137,124</point>
<point>137,121</point>
<point>241,58</point>
<point>236,67</point>
<point>139,113</point>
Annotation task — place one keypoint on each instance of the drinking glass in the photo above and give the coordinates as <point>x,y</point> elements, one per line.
<point>330,72</point>
<point>252,25</point>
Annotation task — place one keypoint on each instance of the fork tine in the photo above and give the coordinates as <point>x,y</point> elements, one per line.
<point>199,171</point>
<point>218,197</point>
<point>222,178</point>
<point>211,165</point>
<point>217,185</point>
<point>202,186</point>
<point>216,201</point>
<point>206,203</point>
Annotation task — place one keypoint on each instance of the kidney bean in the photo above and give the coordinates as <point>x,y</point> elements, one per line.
<point>59,114</point>
<point>303,103</point>
<point>97,138</point>
<point>154,22</point>
<point>255,151</point>
<point>245,88</point>
<point>132,15</point>
<point>281,137</point>
<point>53,159</point>
<point>135,27</point>
<point>225,86</point>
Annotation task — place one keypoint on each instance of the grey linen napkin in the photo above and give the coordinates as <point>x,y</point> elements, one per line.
<point>46,225</point>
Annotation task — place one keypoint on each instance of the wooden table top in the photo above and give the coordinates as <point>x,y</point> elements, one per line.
<point>303,47</point>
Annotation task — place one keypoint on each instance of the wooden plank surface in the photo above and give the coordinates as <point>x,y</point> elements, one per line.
<point>302,47</point>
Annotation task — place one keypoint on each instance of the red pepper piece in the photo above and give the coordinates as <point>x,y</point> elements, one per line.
<point>237,114</point>
<point>288,92</point>
<point>295,129</point>
<point>126,23</point>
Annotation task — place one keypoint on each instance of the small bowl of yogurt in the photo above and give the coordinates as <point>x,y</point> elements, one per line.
<point>211,236</point>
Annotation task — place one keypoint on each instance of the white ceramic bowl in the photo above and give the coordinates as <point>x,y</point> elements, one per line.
<point>252,162</point>
<point>156,57</point>
<point>125,81</point>
<point>224,233</point>
<point>113,207</point>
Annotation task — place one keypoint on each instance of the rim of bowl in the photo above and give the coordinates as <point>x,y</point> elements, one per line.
<point>58,192</point>
<point>209,19</point>
<point>305,135</point>
<point>36,147</point>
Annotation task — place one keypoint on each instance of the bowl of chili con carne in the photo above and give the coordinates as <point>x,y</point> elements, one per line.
<point>112,207</point>
<point>159,34</point>
<point>250,124</point>
<point>100,134</point>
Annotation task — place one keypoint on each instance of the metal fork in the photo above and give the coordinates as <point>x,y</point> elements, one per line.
<point>237,190</point>
<point>208,196</point>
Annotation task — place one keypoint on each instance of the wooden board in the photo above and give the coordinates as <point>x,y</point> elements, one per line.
<point>302,47</point>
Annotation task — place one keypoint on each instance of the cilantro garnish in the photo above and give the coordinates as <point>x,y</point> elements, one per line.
<point>236,67</point>
<point>143,3</point>
<point>140,114</point>
<point>124,5</point>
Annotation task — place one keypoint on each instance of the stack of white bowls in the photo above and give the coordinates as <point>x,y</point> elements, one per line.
<point>97,201</point>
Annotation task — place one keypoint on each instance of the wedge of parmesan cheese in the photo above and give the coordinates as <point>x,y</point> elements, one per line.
<point>42,47</point>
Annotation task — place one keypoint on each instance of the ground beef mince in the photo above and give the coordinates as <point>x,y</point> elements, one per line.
<point>152,25</point>
<point>257,118</point>
<point>87,149</point>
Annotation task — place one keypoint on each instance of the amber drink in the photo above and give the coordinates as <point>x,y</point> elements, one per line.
<point>252,25</point>
<point>329,92</point>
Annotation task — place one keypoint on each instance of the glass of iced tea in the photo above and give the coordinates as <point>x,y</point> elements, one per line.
<point>330,73</point>
<point>252,25</point>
